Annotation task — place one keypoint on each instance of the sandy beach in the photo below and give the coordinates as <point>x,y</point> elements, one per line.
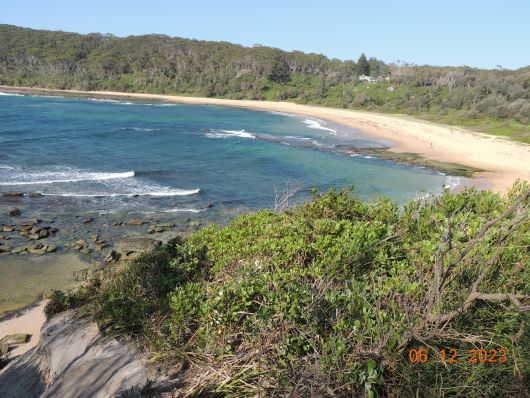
<point>503,160</point>
<point>29,321</point>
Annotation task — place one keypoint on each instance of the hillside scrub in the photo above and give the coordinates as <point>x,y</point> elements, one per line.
<point>329,297</point>
<point>495,101</point>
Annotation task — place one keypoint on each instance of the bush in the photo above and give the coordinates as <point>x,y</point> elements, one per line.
<point>327,299</point>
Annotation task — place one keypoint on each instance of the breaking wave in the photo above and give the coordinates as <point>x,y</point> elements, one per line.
<point>316,124</point>
<point>229,133</point>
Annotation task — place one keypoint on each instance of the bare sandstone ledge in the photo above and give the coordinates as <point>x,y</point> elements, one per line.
<point>73,360</point>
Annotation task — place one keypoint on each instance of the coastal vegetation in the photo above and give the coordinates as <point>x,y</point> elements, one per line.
<point>494,101</point>
<point>335,297</point>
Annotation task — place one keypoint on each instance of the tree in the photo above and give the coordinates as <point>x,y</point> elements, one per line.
<point>363,67</point>
<point>279,72</point>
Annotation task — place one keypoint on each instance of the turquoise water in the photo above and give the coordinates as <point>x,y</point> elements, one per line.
<point>108,156</point>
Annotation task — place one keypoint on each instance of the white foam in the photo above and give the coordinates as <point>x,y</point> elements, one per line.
<point>143,129</point>
<point>111,100</point>
<point>283,114</point>
<point>46,96</point>
<point>162,193</point>
<point>452,182</point>
<point>297,138</point>
<point>68,176</point>
<point>316,124</point>
<point>230,133</point>
<point>11,94</point>
<point>187,210</point>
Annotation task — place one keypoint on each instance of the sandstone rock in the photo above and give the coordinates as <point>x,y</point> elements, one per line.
<point>80,244</point>
<point>8,228</point>
<point>36,249</point>
<point>16,339</point>
<point>50,248</point>
<point>19,250</point>
<point>86,250</point>
<point>5,249</point>
<point>134,246</point>
<point>15,212</point>
<point>24,228</point>
<point>13,194</point>
<point>135,222</point>
<point>73,360</point>
<point>112,257</point>
<point>160,228</point>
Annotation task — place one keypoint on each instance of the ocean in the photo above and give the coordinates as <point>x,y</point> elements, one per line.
<point>108,156</point>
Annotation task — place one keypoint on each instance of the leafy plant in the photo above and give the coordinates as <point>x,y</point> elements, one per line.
<point>327,298</point>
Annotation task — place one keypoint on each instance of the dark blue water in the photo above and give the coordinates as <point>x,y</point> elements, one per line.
<point>109,156</point>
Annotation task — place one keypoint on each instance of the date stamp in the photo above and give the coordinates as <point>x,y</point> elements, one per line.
<point>453,355</point>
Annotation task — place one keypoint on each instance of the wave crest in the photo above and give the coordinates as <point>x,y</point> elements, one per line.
<point>74,176</point>
<point>315,124</point>
<point>229,133</point>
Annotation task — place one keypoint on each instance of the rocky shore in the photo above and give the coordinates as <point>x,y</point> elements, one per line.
<point>97,236</point>
<point>71,352</point>
<point>73,359</point>
<point>37,244</point>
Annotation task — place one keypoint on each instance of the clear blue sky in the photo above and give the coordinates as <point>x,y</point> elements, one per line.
<point>481,33</point>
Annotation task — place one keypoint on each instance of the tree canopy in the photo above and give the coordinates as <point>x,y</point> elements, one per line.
<point>363,67</point>
<point>496,101</point>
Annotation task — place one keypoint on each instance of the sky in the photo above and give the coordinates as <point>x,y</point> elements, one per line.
<point>476,33</point>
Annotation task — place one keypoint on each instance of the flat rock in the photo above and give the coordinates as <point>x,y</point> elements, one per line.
<point>24,228</point>
<point>13,194</point>
<point>80,243</point>
<point>73,360</point>
<point>15,212</point>
<point>8,228</point>
<point>19,250</point>
<point>158,228</point>
<point>11,341</point>
<point>34,250</point>
<point>134,246</point>
<point>35,195</point>
<point>135,222</point>
<point>50,248</point>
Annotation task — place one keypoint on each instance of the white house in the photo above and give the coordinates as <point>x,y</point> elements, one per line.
<point>368,79</point>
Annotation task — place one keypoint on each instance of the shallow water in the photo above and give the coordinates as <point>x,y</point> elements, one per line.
<point>23,279</point>
<point>108,156</point>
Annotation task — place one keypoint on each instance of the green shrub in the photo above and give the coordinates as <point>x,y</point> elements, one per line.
<point>326,299</point>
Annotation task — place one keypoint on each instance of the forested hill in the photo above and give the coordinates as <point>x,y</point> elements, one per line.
<point>497,101</point>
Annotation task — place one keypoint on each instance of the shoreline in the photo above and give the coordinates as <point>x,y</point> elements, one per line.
<point>503,161</point>
<point>28,320</point>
